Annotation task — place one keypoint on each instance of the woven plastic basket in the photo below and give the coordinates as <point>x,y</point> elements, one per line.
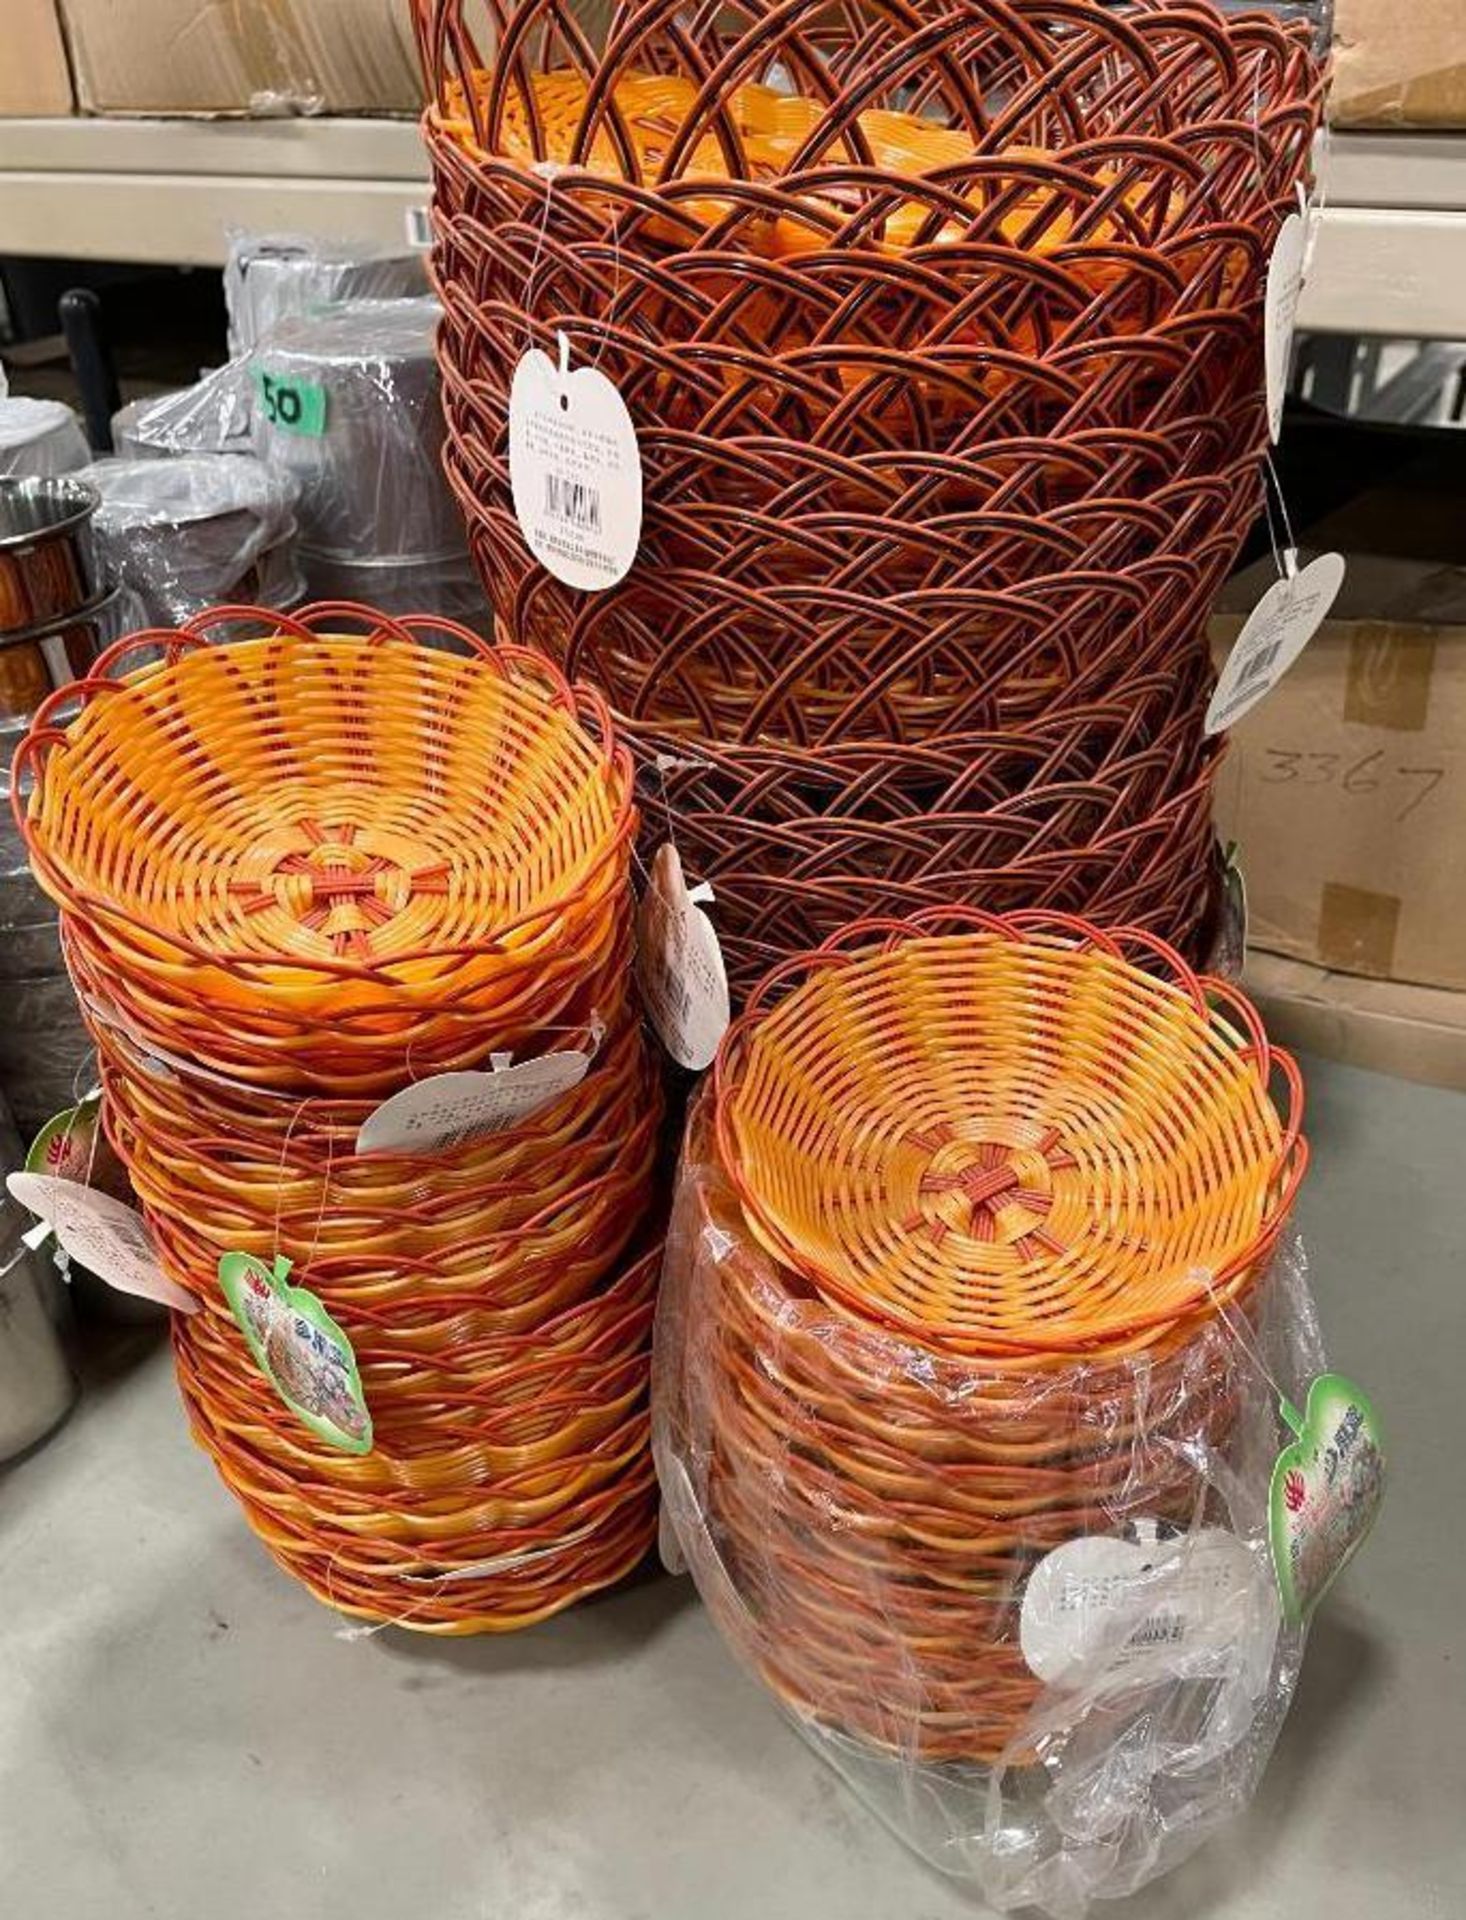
<point>830,260</point>
<point>506,1482</point>
<point>1104,810</point>
<point>967,1224</point>
<point>305,863</point>
<point>312,857</point>
<point>1008,1139</point>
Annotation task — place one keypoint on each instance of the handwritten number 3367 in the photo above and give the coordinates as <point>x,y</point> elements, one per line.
<point>1362,776</point>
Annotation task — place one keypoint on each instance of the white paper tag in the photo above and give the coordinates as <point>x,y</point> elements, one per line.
<point>1106,1610</point>
<point>1280,315</point>
<point>1279,627</point>
<point>679,964</point>
<point>419,229</point>
<point>441,1113</point>
<point>106,1237</point>
<point>575,470</point>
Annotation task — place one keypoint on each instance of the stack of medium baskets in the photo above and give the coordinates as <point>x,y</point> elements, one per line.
<point>943,345</point>
<point>303,863</point>
<point>969,1218</point>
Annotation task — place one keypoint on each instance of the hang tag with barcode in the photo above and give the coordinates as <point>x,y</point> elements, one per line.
<point>450,1109</point>
<point>1101,1611</point>
<point>574,469</point>
<point>1280,315</point>
<point>106,1237</point>
<point>679,964</point>
<point>1279,627</point>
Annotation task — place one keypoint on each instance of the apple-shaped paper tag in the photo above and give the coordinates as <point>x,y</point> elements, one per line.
<point>1280,313</point>
<point>440,1113</point>
<point>300,1349</point>
<point>1279,627</point>
<point>1103,1612</point>
<point>102,1235</point>
<point>1326,1488</point>
<point>679,964</point>
<point>574,470</point>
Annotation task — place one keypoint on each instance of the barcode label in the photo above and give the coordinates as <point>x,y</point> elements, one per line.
<point>1160,1630</point>
<point>573,501</point>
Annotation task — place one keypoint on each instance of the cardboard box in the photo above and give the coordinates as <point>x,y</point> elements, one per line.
<point>1345,790</point>
<point>222,57</point>
<point>1346,787</point>
<point>1399,64</point>
<point>34,76</point>
<point>1418,1033</point>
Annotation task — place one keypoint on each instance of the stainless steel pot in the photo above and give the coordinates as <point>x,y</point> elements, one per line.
<point>48,566</point>
<point>37,1387</point>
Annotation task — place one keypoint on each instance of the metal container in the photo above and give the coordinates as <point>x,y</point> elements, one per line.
<point>196,531</point>
<point>37,659</point>
<point>347,403</point>
<point>48,566</point>
<point>37,1386</point>
<point>40,438</point>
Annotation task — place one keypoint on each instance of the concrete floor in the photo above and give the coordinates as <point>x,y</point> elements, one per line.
<point>184,1736</point>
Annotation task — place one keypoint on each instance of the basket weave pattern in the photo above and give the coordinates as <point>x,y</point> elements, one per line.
<point>849,356</point>
<point>965,1225</point>
<point>304,863</point>
<point>943,341</point>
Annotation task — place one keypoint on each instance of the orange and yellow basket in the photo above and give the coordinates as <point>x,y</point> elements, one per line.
<point>968,1222</point>
<point>305,863</point>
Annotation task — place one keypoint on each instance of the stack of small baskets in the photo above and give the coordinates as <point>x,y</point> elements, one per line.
<point>943,343</point>
<point>970,1218</point>
<point>304,863</point>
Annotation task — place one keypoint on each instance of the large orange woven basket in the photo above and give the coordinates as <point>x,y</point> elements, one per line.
<point>965,1229</point>
<point>330,850</point>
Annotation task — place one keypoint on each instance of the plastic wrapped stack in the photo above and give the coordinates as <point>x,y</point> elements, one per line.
<point>268,278</point>
<point>306,865</point>
<point>973,1309</point>
<point>348,407</point>
<point>195,532</point>
<point>942,340</point>
<point>39,439</point>
<point>271,277</point>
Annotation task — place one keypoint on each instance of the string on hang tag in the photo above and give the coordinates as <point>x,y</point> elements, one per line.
<point>361,1630</point>
<point>701,894</point>
<point>549,172</point>
<point>1290,543</point>
<point>280,1181</point>
<point>1248,1346</point>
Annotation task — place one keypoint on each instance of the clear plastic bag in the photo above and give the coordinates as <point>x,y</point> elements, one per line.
<point>198,531</point>
<point>273,277</point>
<point>211,416</point>
<point>1029,1618</point>
<point>39,439</point>
<point>349,407</point>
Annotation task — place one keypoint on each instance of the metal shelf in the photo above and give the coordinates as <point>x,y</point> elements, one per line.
<point>1390,260</point>
<point>168,191</point>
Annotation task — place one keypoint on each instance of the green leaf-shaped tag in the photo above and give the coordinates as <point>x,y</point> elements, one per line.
<point>300,1350</point>
<point>1326,1489</point>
